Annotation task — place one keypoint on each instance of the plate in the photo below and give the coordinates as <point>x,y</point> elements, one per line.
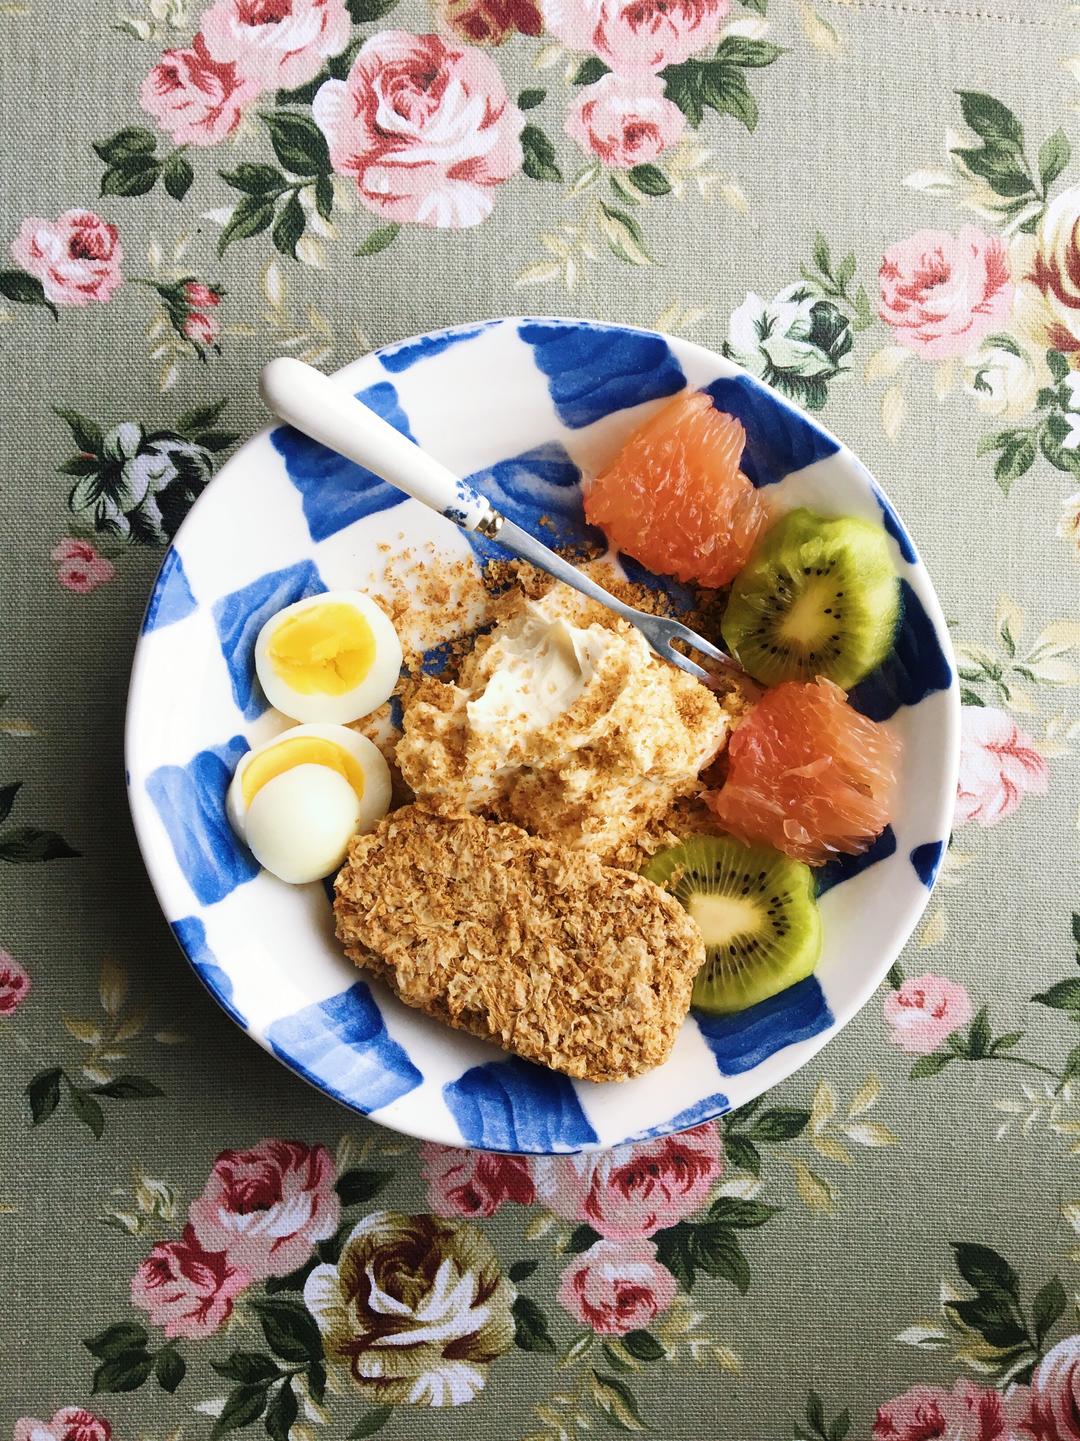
<point>522,407</point>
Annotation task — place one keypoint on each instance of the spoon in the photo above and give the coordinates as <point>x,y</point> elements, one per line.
<point>326,410</point>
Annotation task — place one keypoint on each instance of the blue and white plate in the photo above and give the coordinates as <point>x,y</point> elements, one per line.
<point>522,408</point>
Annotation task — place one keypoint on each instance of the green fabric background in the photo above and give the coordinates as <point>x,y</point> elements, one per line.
<point>831,1288</point>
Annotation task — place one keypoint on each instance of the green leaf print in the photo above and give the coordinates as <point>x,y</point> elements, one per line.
<point>379,240</point>
<point>25,289</point>
<point>531,1331</point>
<point>371,1422</point>
<point>539,155</point>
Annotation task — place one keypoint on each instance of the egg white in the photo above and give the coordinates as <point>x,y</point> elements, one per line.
<point>349,705</point>
<point>299,825</point>
<point>301,829</point>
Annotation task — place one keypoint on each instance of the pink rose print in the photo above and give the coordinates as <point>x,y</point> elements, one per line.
<point>615,1288</point>
<point>201,329</point>
<point>966,1413</point>
<point>625,122</point>
<point>473,1183</point>
<point>14,984</point>
<point>924,1011</point>
<point>194,98</point>
<point>636,37</point>
<point>999,765</point>
<point>71,1423</point>
<point>425,128</point>
<point>943,293</point>
<point>490,22</point>
<point>187,1289</point>
<point>76,256</point>
<point>633,1191</point>
<point>81,569</point>
<point>279,44</point>
<point>198,294</point>
<point>1055,1395</point>
<point>266,1207</point>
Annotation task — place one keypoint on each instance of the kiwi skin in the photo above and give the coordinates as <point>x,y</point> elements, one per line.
<point>818,596</point>
<point>758,917</point>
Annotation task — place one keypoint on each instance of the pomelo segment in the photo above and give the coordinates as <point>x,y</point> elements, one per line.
<point>674,497</point>
<point>808,774</point>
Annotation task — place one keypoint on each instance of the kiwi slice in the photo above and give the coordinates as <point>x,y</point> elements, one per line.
<point>757,914</point>
<point>818,597</point>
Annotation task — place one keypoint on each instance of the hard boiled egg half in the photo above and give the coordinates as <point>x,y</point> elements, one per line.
<point>299,799</point>
<point>333,657</point>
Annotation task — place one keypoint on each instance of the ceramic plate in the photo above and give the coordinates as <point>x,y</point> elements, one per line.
<point>522,408</point>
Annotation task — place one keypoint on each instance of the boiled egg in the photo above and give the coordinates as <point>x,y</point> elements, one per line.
<point>333,657</point>
<point>299,799</point>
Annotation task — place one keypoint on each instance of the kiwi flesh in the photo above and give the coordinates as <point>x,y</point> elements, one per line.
<point>818,597</point>
<point>757,914</point>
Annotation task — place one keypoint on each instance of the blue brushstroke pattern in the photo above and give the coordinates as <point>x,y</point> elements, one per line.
<point>334,492</point>
<point>436,658</point>
<point>593,370</point>
<point>172,598</point>
<point>742,1041</point>
<point>397,358</point>
<point>895,526</point>
<point>914,668</point>
<point>342,1045</point>
<point>680,596</point>
<point>515,1106</point>
<point>190,800</point>
<point>703,1110</point>
<point>541,482</point>
<point>779,439</point>
<point>835,872</point>
<point>927,861</point>
<point>241,615</point>
<point>191,933</point>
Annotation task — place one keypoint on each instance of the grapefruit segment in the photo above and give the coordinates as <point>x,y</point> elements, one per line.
<point>808,774</point>
<point>674,497</point>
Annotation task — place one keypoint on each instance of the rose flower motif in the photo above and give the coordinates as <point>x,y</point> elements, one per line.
<point>76,256</point>
<point>14,982</point>
<point>280,44</point>
<point>943,293</point>
<point>425,129</point>
<point>267,1206</point>
<point>414,1310</point>
<point>636,37</point>
<point>632,1191</point>
<point>924,1011</point>
<point>490,22</point>
<point>195,98</point>
<point>70,1423</point>
<point>798,341</point>
<point>81,569</point>
<point>617,1287</point>
<point>186,1288</point>
<point>1055,270</point>
<point>1055,1395</point>
<point>966,1413</point>
<point>999,765</point>
<point>625,122</point>
<point>473,1183</point>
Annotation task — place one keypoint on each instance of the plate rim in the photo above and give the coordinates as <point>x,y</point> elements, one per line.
<point>782,1066</point>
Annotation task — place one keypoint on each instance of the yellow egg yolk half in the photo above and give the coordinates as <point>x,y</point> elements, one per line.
<point>305,750</point>
<point>324,650</point>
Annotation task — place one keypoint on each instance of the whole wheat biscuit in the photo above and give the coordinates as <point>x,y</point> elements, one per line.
<point>544,950</point>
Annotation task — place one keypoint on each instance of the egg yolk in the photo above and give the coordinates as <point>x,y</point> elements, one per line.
<point>305,750</point>
<point>324,650</point>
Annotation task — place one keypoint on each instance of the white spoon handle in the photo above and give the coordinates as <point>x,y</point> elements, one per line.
<point>327,411</point>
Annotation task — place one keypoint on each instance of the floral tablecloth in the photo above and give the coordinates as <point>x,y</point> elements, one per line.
<point>876,207</point>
